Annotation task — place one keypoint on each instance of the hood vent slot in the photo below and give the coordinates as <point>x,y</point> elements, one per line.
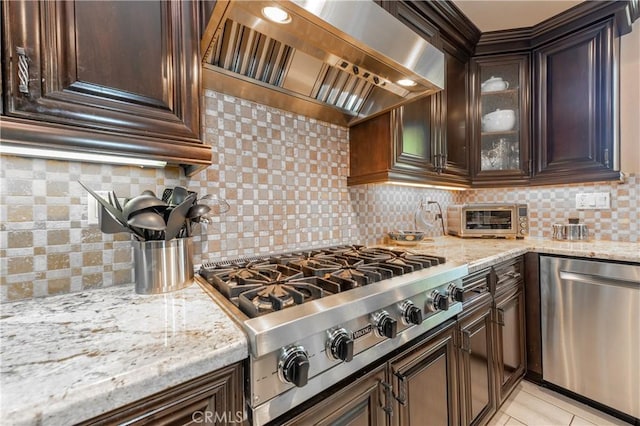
<point>343,90</point>
<point>244,51</point>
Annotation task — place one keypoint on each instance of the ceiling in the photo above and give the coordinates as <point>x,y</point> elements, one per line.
<point>495,15</point>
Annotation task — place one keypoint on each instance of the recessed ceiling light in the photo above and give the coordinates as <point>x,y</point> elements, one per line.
<point>406,82</point>
<point>276,14</point>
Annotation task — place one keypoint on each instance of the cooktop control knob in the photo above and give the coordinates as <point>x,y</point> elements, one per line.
<point>438,301</point>
<point>456,294</point>
<point>340,345</point>
<point>385,325</point>
<point>411,314</point>
<point>294,365</point>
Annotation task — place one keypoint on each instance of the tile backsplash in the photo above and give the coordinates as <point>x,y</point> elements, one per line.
<point>284,176</point>
<point>556,204</point>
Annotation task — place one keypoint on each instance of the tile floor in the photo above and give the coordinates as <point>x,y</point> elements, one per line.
<point>532,405</point>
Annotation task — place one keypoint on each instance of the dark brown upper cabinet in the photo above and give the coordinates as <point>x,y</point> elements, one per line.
<point>501,142</point>
<point>407,144</point>
<point>575,116</point>
<point>110,76</point>
<point>570,100</point>
<point>395,146</point>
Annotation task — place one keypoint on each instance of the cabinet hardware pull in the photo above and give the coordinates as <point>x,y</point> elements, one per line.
<point>23,70</point>
<point>500,315</point>
<point>402,391</point>
<point>466,342</point>
<point>606,157</point>
<point>388,393</point>
<point>513,274</point>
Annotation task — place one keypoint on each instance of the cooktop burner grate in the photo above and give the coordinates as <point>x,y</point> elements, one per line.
<point>259,285</point>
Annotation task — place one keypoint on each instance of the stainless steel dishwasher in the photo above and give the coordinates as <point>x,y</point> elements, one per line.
<point>590,313</point>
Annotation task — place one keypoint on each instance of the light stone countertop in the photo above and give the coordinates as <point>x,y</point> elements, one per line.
<point>71,357</point>
<point>480,253</point>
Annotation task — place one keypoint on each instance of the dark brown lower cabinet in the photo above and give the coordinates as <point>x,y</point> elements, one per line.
<point>358,404</point>
<point>424,380</point>
<point>215,398</point>
<point>475,361</point>
<point>509,326</point>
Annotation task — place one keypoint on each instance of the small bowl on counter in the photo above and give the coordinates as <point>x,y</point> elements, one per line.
<point>406,238</point>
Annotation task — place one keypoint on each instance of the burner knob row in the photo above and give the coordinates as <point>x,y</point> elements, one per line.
<point>385,325</point>
<point>294,365</point>
<point>341,345</point>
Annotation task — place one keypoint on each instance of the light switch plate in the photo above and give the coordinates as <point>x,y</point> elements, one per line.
<point>93,207</point>
<point>593,201</point>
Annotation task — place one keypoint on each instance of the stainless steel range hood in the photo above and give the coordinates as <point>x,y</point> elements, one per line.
<point>335,60</point>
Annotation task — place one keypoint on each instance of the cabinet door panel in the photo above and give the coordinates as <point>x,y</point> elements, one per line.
<point>476,366</point>
<point>456,138</point>
<point>123,67</point>
<point>501,152</point>
<point>215,398</point>
<point>117,70</point>
<point>425,380</point>
<point>510,338</point>
<point>575,112</point>
<point>414,127</point>
<point>479,370</point>
<point>357,404</point>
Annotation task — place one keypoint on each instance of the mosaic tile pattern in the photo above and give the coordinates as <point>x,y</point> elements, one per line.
<point>556,204</point>
<point>284,176</point>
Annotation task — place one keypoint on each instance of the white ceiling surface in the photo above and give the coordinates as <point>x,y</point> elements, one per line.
<point>492,15</point>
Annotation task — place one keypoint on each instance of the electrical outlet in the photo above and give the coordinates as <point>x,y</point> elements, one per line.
<point>93,207</point>
<point>593,201</point>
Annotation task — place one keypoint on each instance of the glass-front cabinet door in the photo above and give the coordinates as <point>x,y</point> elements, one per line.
<point>501,138</point>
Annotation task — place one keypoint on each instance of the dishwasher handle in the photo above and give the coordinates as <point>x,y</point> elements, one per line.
<point>598,280</point>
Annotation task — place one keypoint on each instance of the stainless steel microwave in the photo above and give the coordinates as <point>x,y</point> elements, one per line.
<point>488,220</point>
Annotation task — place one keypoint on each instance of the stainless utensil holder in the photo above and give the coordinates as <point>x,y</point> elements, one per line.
<point>163,266</point>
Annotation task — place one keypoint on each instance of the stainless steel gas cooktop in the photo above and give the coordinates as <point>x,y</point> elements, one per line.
<point>314,317</point>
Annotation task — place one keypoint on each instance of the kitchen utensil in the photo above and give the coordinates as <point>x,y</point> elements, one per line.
<point>148,220</point>
<point>499,120</point>
<point>166,194</point>
<point>177,216</point>
<point>217,205</point>
<point>494,84</point>
<point>178,195</point>
<point>196,211</point>
<point>109,224</point>
<point>141,202</point>
<point>114,200</point>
